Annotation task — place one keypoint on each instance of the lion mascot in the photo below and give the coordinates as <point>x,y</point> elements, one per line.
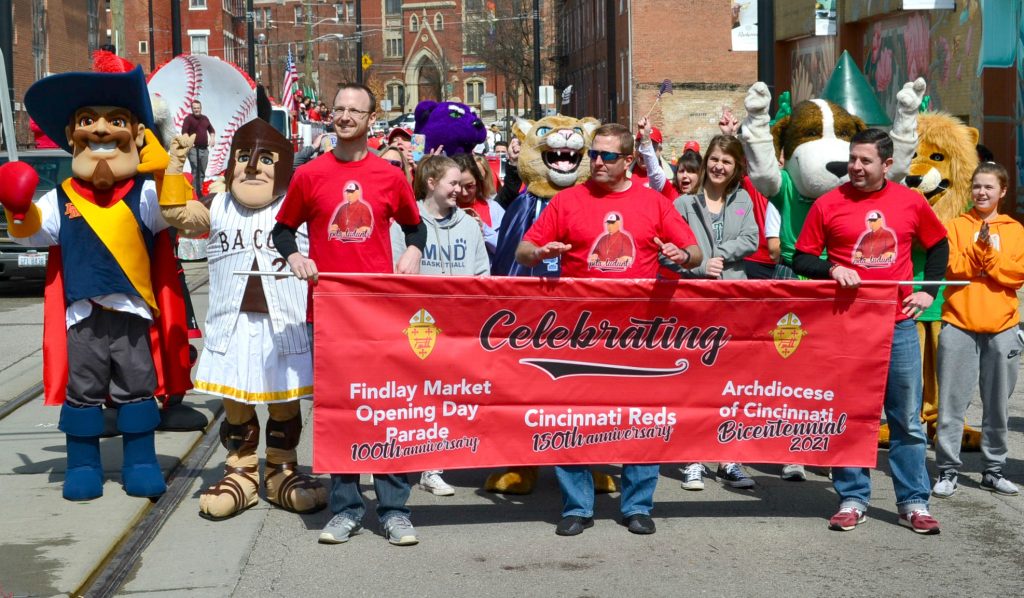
<point>552,158</point>
<point>941,171</point>
<point>257,350</point>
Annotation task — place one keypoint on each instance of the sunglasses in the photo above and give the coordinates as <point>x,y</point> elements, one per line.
<point>395,163</point>
<point>606,157</point>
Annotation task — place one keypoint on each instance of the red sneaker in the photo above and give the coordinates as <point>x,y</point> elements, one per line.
<point>846,519</point>
<point>920,521</point>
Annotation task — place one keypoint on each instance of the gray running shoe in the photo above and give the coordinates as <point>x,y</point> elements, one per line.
<point>339,529</point>
<point>993,480</point>
<point>399,531</point>
<point>794,473</point>
<point>945,486</point>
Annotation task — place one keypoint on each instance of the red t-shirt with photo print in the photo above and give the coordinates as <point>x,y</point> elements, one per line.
<point>871,233</point>
<point>348,208</point>
<point>612,234</point>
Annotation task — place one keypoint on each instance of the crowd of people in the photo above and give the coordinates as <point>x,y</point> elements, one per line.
<point>699,219</point>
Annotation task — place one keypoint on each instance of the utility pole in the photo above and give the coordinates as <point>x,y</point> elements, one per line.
<point>152,52</point>
<point>175,28</point>
<point>536,60</point>
<point>250,39</point>
<point>309,43</point>
<point>7,45</point>
<point>359,41</point>
<point>117,12</point>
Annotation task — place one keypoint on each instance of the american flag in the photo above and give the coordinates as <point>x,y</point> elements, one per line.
<point>291,78</point>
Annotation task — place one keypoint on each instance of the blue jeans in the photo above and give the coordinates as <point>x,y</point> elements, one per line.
<point>907,442</point>
<point>577,484</point>
<point>392,493</point>
<point>392,490</point>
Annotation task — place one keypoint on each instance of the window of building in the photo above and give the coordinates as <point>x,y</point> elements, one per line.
<point>474,89</point>
<point>392,7</point>
<point>474,40</point>
<point>93,20</point>
<point>394,46</point>
<point>396,93</point>
<point>199,43</point>
<point>474,5</point>
<point>438,22</point>
<point>414,23</point>
<point>197,5</point>
<point>298,15</point>
<point>143,47</point>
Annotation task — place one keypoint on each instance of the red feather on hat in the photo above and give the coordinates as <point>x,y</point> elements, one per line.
<point>108,62</point>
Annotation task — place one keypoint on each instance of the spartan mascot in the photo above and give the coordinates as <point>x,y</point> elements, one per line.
<point>553,158</point>
<point>257,350</point>
<point>114,315</point>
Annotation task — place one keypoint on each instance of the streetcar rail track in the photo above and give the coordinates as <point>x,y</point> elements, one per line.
<point>112,571</point>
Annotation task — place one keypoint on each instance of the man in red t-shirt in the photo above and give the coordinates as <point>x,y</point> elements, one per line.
<point>575,225</point>
<point>836,223</point>
<point>350,175</point>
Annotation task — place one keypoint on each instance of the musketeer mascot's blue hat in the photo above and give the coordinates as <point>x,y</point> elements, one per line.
<point>52,101</point>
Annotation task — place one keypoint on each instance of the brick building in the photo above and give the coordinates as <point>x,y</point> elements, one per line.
<point>616,53</point>
<point>49,37</point>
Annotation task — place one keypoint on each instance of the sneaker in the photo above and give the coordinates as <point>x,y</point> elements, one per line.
<point>920,521</point>
<point>573,525</point>
<point>399,531</point>
<point>693,477</point>
<point>640,523</point>
<point>846,519</point>
<point>431,482</point>
<point>993,480</point>
<point>945,486</point>
<point>339,529</point>
<point>794,473</point>
<point>733,475</point>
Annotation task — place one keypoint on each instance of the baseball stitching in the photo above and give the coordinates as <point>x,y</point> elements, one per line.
<point>241,117</point>
<point>193,85</point>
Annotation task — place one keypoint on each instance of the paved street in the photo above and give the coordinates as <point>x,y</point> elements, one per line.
<point>719,542</point>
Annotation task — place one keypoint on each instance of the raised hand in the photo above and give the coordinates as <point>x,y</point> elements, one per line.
<point>757,100</point>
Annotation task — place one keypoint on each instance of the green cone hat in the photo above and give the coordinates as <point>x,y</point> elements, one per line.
<point>849,88</point>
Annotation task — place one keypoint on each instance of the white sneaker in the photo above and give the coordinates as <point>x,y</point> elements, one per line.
<point>431,482</point>
<point>794,473</point>
<point>693,477</point>
<point>945,485</point>
<point>994,481</point>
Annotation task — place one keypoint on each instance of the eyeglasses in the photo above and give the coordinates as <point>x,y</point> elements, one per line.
<point>396,163</point>
<point>356,113</point>
<point>606,157</point>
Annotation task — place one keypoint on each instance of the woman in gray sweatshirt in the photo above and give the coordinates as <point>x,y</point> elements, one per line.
<point>721,214</point>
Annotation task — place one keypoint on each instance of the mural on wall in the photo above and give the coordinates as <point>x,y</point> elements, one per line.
<point>812,60</point>
<point>937,45</point>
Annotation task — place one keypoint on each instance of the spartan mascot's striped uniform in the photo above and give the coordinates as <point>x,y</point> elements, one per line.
<point>257,349</point>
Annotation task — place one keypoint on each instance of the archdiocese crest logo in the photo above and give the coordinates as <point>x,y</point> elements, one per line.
<point>422,333</point>
<point>787,335</point>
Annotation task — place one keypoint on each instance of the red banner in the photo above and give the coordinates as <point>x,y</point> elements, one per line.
<point>423,372</point>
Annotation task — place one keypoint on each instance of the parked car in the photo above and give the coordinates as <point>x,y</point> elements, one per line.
<point>53,166</point>
<point>406,121</point>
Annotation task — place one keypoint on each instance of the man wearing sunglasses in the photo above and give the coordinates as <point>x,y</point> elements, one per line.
<point>575,225</point>
<point>353,185</point>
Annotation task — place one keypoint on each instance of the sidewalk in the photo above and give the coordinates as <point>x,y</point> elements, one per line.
<point>50,546</point>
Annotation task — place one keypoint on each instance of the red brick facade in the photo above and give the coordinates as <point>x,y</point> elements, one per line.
<point>686,41</point>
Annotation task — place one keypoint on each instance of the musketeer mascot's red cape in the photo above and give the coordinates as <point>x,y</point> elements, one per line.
<point>114,325</point>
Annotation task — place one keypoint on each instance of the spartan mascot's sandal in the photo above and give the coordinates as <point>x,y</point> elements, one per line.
<point>113,314</point>
<point>553,158</point>
<point>257,349</point>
